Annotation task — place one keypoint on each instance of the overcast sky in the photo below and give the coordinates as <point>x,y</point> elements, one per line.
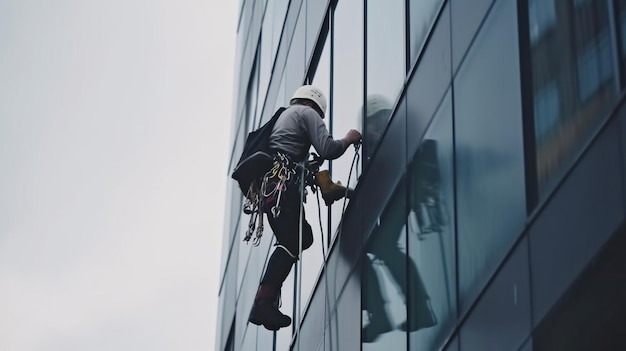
<point>114,132</point>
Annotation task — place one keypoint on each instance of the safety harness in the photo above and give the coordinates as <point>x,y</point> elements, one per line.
<point>266,196</point>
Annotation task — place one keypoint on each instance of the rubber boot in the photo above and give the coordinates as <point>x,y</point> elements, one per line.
<point>265,311</point>
<point>331,192</point>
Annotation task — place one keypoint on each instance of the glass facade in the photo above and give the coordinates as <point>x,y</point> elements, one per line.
<point>573,79</point>
<point>488,151</point>
<point>386,67</point>
<point>431,233</point>
<point>490,187</point>
<point>347,99</point>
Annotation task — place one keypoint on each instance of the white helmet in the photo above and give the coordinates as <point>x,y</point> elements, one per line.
<point>377,103</point>
<point>311,93</point>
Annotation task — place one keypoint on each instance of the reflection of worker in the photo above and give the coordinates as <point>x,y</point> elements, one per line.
<point>378,111</point>
<point>297,129</point>
<point>384,247</point>
<point>424,198</point>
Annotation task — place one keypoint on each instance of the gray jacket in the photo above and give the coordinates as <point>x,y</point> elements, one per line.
<point>299,127</point>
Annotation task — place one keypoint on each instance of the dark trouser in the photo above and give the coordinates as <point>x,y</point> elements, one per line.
<point>286,228</point>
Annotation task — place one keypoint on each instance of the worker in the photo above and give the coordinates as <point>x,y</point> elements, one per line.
<point>298,128</point>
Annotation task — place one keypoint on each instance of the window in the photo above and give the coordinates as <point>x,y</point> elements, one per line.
<point>316,215</point>
<point>347,97</point>
<point>621,29</point>
<point>266,57</point>
<point>386,67</point>
<point>384,279</point>
<point>573,83</point>
<point>421,16</point>
<point>251,100</point>
<point>542,18</point>
<point>489,158</point>
<point>431,235</point>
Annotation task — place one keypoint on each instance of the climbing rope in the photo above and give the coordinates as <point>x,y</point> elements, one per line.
<point>355,158</point>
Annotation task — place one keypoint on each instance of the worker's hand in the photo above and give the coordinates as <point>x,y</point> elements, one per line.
<point>352,137</point>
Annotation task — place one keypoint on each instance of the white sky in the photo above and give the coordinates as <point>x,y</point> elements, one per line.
<point>114,134</point>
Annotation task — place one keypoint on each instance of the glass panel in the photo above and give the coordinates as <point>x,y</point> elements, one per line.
<point>347,91</point>
<point>384,276</point>
<point>251,100</point>
<point>229,232</point>
<point>421,16</point>
<point>572,80</point>
<point>281,100</point>
<point>280,10</point>
<point>489,151</point>
<point>316,212</point>
<point>385,65</point>
<point>243,253</point>
<point>431,239</point>
<point>592,313</point>
<point>620,8</point>
<point>284,335</point>
<point>235,194</point>
<point>315,13</point>
<point>295,66</point>
<point>266,60</point>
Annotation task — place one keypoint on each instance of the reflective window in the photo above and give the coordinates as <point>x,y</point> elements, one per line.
<point>270,38</point>
<point>230,342</point>
<point>378,111</point>
<point>315,12</point>
<point>295,66</point>
<point>236,197</point>
<point>281,99</point>
<point>266,57</point>
<point>234,211</point>
<point>421,16</point>
<point>280,11</point>
<point>384,279</point>
<point>489,151</point>
<point>620,9</point>
<point>547,110</point>
<point>347,91</point>
<point>594,304</point>
<point>542,18</point>
<point>243,253</point>
<point>284,335</point>
<point>316,212</point>
<point>431,236</point>
<point>385,62</point>
<point>572,80</point>
<point>251,101</point>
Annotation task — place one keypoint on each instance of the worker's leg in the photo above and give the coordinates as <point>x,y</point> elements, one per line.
<point>286,228</point>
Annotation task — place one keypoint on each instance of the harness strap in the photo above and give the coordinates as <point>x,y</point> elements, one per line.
<point>287,250</point>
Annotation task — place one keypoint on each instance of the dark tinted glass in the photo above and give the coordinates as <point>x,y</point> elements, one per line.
<point>573,81</point>
<point>421,16</point>
<point>384,274</point>
<point>592,314</point>
<point>431,235</point>
<point>489,151</point>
